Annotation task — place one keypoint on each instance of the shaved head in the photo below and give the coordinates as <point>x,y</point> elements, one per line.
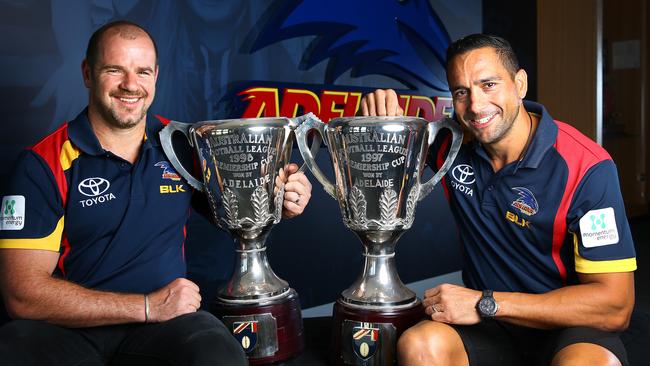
<point>123,29</point>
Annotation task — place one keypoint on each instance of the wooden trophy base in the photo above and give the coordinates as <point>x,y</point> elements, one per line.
<point>268,331</point>
<point>368,337</point>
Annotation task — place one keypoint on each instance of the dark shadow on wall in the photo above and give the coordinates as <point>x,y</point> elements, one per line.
<point>516,21</point>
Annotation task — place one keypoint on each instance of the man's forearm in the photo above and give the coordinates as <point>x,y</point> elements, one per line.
<point>591,304</point>
<point>64,303</point>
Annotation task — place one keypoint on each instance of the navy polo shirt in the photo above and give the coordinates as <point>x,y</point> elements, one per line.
<point>117,226</point>
<point>536,223</point>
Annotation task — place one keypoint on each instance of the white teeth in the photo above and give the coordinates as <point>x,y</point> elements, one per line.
<point>484,119</point>
<point>129,100</point>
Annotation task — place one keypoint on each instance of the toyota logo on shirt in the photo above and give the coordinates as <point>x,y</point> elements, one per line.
<point>93,187</point>
<point>464,174</point>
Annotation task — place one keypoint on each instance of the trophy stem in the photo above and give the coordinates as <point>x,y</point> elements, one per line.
<point>253,280</point>
<point>379,285</point>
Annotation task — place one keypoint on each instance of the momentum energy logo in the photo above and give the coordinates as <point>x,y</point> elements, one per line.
<point>598,228</point>
<point>12,216</point>
<point>95,188</point>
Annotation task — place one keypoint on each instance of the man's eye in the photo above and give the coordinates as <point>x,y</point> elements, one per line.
<point>490,85</point>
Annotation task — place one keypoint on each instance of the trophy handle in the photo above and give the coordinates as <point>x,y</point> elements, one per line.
<point>296,122</point>
<point>457,139</point>
<point>308,156</point>
<point>166,142</point>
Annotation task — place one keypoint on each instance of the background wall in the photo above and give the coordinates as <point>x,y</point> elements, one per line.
<point>209,52</point>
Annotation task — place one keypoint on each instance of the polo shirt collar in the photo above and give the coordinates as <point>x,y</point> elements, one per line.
<point>81,134</point>
<point>544,138</point>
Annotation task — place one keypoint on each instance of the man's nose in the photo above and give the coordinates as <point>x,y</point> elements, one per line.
<point>477,101</point>
<point>129,82</point>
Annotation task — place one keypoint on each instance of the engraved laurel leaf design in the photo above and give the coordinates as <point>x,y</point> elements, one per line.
<point>411,202</point>
<point>231,207</point>
<point>388,206</point>
<point>260,201</point>
<point>279,201</point>
<point>358,204</point>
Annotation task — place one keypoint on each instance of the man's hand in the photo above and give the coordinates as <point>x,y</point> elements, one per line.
<point>453,304</point>
<point>297,192</point>
<point>381,103</point>
<point>179,297</point>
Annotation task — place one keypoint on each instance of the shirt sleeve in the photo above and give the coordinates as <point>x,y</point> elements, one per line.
<point>32,214</point>
<point>602,238</point>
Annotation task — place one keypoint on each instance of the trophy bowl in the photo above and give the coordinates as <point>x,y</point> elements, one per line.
<point>377,164</point>
<point>242,165</point>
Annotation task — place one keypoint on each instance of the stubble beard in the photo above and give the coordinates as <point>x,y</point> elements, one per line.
<point>500,132</point>
<point>112,116</point>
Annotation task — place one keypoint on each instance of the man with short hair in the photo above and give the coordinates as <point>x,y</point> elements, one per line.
<point>548,257</point>
<point>91,247</point>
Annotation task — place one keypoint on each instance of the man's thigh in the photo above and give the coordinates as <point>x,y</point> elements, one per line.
<point>497,343</point>
<point>191,339</point>
<point>30,342</point>
<point>607,340</point>
<point>490,343</point>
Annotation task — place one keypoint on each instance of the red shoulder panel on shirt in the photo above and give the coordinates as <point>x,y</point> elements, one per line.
<point>163,120</point>
<point>580,154</point>
<point>49,149</point>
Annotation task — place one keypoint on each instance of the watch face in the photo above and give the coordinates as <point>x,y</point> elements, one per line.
<point>487,306</point>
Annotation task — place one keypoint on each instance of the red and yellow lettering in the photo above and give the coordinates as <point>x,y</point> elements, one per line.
<point>263,102</point>
<point>331,99</point>
<point>444,107</point>
<point>292,99</point>
<point>421,107</point>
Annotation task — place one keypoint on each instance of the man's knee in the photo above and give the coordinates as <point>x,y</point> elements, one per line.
<point>587,354</point>
<point>211,341</point>
<point>431,343</point>
<point>31,342</point>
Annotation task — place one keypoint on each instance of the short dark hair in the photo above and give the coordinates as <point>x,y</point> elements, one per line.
<point>93,44</point>
<point>503,49</point>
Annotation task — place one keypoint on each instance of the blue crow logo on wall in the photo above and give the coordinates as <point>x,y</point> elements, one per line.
<point>401,39</point>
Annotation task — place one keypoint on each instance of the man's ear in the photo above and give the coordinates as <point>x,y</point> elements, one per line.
<point>521,82</point>
<point>86,72</point>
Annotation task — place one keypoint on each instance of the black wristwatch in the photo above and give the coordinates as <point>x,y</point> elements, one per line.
<point>487,306</point>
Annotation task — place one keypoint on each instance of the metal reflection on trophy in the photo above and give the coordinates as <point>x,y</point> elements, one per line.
<point>243,167</point>
<point>378,163</point>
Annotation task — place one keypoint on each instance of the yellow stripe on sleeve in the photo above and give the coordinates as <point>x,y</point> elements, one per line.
<point>68,154</point>
<point>587,266</point>
<point>51,242</point>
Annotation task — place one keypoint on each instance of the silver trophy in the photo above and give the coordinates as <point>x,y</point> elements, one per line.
<point>243,168</point>
<point>377,163</point>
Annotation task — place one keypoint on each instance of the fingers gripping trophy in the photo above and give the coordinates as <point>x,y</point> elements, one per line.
<point>243,165</point>
<point>377,162</point>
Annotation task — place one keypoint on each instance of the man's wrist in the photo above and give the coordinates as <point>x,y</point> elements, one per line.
<point>146,308</point>
<point>487,306</point>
